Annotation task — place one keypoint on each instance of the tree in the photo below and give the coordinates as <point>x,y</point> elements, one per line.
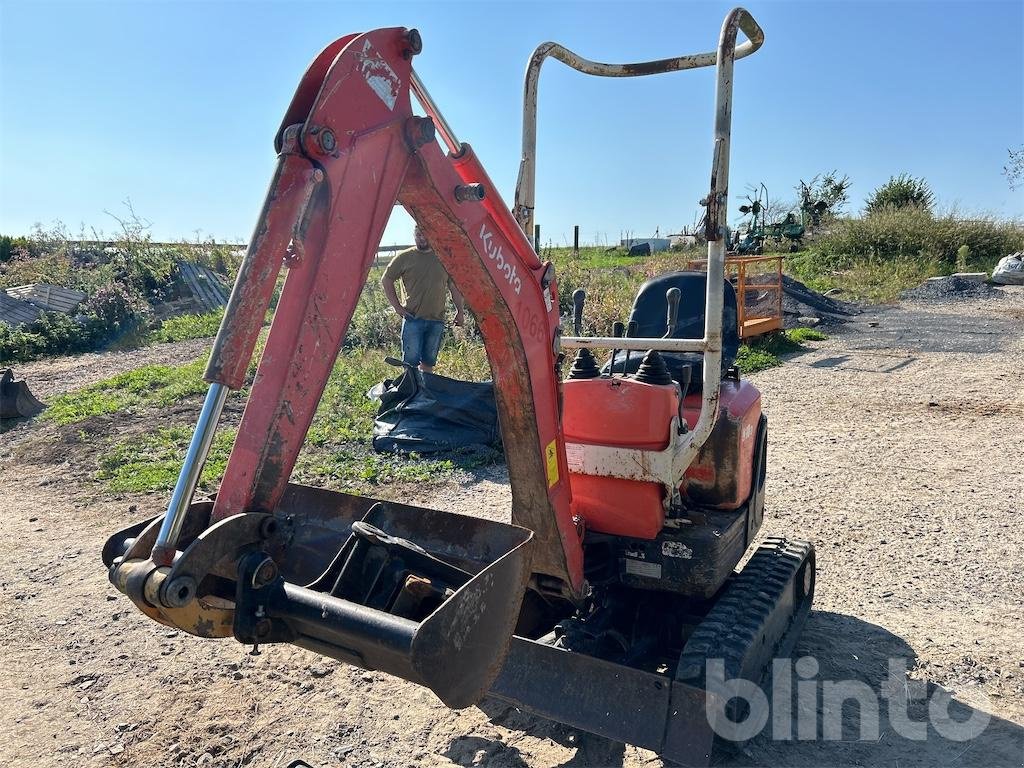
<point>824,197</point>
<point>903,191</point>
<point>1014,169</point>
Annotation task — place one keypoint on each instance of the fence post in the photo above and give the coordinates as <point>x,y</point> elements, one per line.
<point>536,238</point>
<point>576,240</point>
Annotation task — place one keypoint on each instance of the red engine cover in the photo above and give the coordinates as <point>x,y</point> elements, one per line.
<point>629,414</point>
<point>721,474</point>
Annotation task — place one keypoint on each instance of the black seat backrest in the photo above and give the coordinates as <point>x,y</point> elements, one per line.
<point>650,309</point>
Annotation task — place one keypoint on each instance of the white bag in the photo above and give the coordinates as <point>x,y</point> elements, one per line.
<point>1009,270</point>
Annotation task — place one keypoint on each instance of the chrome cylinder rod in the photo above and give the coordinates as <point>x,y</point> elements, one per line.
<point>425,100</point>
<point>167,540</point>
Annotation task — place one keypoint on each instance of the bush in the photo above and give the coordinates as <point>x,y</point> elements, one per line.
<point>900,192</point>
<point>108,314</point>
<point>54,333</point>
<point>374,324</point>
<point>19,344</point>
<point>912,233</point>
<point>117,308</point>
<point>186,327</point>
<point>14,247</point>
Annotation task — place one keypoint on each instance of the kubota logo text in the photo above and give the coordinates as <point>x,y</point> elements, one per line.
<point>494,254</point>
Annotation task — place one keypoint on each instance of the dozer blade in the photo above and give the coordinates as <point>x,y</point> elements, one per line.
<point>429,596</point>
<point>16,401</point>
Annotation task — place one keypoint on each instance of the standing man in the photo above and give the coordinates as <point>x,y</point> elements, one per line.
<point>424,287</point>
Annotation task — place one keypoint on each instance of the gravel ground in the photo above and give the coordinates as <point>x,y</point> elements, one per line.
<point>951,289</point>
<point>893,448</point>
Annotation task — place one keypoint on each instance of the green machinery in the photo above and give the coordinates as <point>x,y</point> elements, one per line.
<point>758,230</point>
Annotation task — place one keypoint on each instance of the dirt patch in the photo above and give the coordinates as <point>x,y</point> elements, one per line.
<point>914,509</point>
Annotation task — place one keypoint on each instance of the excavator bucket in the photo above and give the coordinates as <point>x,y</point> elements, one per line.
<point>16,401</point>
<point>341,576</point>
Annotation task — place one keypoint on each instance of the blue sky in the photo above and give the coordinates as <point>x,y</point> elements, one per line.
<point>175,104</point>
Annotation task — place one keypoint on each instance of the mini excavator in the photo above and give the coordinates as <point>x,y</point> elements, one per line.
<point>637,487</point>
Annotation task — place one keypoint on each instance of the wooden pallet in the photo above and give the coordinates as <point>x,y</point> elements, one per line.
<point>204,284</point>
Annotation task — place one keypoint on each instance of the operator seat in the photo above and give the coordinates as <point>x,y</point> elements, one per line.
<point>650,308</point>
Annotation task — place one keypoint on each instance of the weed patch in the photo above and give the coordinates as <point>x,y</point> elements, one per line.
<point>766,351</point>
<point>186,327</point>
<point>156,385</point>
<point>151,462</point>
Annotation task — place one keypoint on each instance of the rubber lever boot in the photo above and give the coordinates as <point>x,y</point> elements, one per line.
<point>584,366</point>
<point>653,369</point>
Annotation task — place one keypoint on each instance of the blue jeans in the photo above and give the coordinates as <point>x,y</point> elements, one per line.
<point>421,340</point>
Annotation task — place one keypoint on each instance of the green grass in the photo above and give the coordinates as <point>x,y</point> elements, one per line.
<point>151,462</point>
<point>766,352</point>
<point>186,327</point>
<point>337,452</point>
<point>345,412</point>
<point>591,257</point>
<point>357,467</point>
<point>873,280</point>
<point>150,385</point>
<point>800,335</point>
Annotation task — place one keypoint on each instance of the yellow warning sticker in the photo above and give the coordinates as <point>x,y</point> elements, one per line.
<point>552,456</point>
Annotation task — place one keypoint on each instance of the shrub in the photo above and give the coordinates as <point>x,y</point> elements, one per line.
<point>116,307</point>
<point>374,324</point>
<point>54,333</point>
<point>108,314</point>
<point>963,253</point>
<point>903,191</point>
<point>14,247</point>
<point>911,233</point>
<point>19,344</point>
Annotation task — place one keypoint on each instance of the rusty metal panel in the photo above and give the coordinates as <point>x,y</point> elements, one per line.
<point>502,282</point>
<point>334,232</point>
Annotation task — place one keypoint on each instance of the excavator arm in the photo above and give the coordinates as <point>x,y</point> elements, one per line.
<point>357,151</point>
<point>351,148</point>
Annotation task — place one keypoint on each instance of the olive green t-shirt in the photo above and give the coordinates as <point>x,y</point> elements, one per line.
<point>424,282</point>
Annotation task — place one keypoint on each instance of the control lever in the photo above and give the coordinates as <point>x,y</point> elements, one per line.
<point>685,377</point>
<point>618,331</point>
<point>631,330</point>
<point>672,297</point>
<point>578,297</point>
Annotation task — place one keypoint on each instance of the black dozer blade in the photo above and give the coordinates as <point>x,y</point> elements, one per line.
<point>16,401</point>
<point>387,603</point>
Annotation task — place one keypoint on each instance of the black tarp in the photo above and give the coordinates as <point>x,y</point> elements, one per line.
<point>426,413</point>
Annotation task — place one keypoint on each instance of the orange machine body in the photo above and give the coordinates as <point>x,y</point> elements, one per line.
<point>626,413</point>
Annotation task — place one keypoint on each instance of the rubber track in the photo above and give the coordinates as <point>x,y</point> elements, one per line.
<point>733,627</point>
